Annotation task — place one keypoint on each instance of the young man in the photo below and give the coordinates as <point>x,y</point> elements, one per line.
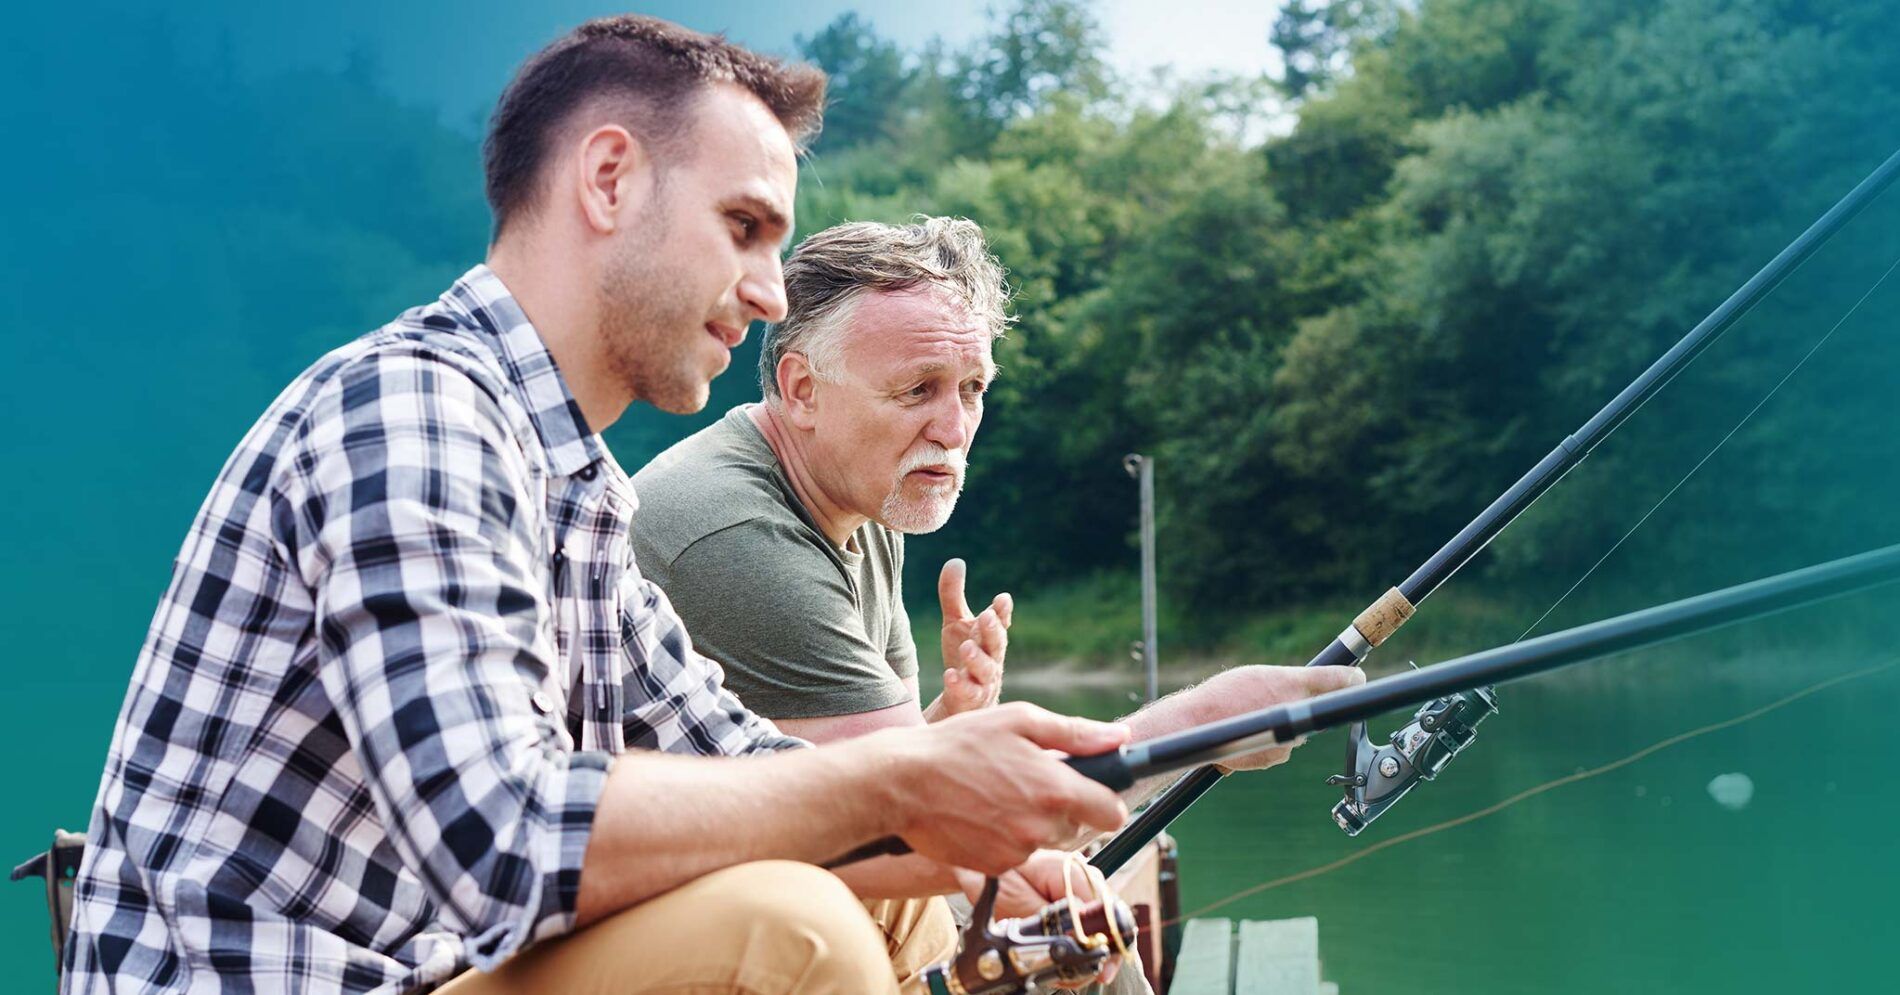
<point>778,531</point>
<point>408,708</point>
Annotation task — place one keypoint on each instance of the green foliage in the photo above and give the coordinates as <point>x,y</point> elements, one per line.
<point>867,81</point>
<point>1341,344</point>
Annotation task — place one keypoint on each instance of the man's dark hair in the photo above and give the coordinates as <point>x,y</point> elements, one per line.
<point>656,69</point>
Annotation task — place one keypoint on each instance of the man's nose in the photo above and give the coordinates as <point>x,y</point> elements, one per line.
<point>951,424</point>
<point>762,290</point>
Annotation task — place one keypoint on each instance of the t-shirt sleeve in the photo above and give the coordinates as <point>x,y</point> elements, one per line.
<point>782,622</point>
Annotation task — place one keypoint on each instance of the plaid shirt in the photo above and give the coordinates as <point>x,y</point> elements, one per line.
<point>347,761</point>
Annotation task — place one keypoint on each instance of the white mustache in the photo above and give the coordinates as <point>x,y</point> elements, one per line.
<point>933,455</point>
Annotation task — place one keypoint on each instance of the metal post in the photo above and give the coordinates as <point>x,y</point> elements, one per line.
<point>1142,468</point>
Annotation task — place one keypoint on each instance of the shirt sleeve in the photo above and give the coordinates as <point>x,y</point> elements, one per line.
<point>412,505</point>
<point>786,629</point>
<point>677,700</point>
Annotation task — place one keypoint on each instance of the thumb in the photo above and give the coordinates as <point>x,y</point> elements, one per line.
<point>1320,680</point>
<point>950,591</point>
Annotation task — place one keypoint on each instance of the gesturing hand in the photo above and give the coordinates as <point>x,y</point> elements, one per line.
<point>973,647</point>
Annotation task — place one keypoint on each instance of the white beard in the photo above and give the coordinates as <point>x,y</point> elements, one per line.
<point>920,516</point>
<point>916,516</point>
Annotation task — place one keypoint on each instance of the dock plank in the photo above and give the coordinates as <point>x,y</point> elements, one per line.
<point>1205,964</point>
<point>1278,957</point>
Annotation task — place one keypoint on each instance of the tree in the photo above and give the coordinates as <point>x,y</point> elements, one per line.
<point>868,81</point>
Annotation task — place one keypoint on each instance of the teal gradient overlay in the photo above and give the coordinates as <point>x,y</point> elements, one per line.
<point>202,200</point>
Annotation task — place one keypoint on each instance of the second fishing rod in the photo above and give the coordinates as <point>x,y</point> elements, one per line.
<point>1369,792</point>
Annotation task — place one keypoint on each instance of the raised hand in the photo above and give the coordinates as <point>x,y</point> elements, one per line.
<point>973,647</point>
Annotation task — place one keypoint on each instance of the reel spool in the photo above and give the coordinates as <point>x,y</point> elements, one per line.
<point>1376,777</point>
<point>1066,942</point>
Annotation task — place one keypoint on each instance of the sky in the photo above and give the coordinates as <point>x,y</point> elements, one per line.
<point>456,54</point>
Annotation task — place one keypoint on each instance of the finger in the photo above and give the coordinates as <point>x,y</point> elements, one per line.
<point>950,591</point>
<point>991,634</point>
<point>960,693</point>
<point>1097,808</point>
<point>1072,735</point>
<point>978,666</point>
<point>1005,607</point>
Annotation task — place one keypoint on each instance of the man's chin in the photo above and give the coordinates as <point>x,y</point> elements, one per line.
<point>681,399</point>
<point>911,519</point>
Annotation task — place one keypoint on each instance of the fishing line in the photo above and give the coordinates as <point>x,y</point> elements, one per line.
<point>1711,453</point>
<point>1582,775</point>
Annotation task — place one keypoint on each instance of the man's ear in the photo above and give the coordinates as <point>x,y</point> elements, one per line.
<point>798,389</point>
<point>611,177</point>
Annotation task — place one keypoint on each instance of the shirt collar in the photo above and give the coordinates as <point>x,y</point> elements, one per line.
<point>483,301</point>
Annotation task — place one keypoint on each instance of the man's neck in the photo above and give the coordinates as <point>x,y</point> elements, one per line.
<point>793,452</point>
<point>563,307</point>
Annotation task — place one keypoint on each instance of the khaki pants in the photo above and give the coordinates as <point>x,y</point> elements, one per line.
<point>763,928</point>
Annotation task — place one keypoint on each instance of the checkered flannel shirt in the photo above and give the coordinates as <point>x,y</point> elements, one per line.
<point>342,765</point>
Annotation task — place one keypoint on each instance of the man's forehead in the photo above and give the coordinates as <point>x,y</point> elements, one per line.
<point>916,327</point>
<point>732,127</point>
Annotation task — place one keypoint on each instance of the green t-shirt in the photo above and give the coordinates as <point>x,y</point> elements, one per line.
<point>803,628</point>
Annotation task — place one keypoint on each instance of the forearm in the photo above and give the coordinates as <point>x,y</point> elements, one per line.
<point>909,876</point>
<point>1183,709</point>
<point>665,820</point>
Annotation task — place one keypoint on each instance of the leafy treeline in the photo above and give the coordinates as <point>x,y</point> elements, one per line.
<point>1341,342</point>
<point>1477,218</point>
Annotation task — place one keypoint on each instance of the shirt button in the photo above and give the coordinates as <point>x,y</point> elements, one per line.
<point>542,703</point>
<point>587,472</point>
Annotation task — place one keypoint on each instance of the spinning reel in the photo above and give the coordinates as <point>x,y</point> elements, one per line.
<point>1378,776</point>
<point>1067,942</point>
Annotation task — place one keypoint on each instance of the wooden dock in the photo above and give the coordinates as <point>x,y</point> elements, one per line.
<point>1249,957</point>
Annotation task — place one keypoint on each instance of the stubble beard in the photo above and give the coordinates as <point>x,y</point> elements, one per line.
<point>650,327</point>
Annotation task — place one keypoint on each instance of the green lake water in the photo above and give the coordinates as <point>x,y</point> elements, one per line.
<point>1633,881</point>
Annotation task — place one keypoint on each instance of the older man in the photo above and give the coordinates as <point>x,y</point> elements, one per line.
<point>777,532</point>
<point>780,526</point>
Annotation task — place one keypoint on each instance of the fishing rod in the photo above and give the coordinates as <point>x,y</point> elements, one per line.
<point>1279,725</point>
<point>1369,790</point>
<point>1069,942</point>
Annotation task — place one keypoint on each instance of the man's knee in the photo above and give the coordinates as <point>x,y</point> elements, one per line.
<point>799,929</point>
<point>765,928</point>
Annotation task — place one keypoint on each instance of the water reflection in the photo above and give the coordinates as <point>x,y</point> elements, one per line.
<point>1634,881</point>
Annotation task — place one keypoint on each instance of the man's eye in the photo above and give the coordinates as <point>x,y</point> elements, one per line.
<point>919,391</point>
<point>976,387</point>
<point>748,226</point>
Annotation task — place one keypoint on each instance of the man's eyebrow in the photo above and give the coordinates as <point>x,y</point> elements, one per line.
<point>769,215</point>
<point>936,366</point>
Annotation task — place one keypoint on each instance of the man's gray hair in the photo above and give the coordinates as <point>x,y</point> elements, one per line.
<point>831,270</point>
